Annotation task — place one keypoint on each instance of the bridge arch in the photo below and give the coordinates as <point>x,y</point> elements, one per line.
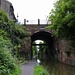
<point>56,47</point>
<point>48,38</point>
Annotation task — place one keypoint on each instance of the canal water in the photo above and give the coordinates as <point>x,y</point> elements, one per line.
<point>55,68</point>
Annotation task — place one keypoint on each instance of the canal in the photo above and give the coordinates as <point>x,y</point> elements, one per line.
<point>52,66</point>
<point>56,68</point>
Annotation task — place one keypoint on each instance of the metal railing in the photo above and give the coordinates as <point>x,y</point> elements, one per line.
<point>38,22</point>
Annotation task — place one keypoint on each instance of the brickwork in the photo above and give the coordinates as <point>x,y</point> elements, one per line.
<point>64,52</point>
<point>61,46</point>
<point>37,28</point>
<point>32,29</point>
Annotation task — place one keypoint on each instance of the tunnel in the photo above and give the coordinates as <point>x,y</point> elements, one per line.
<point>49,39</point>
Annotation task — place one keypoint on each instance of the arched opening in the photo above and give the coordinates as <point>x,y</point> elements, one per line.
<point>48,40</point>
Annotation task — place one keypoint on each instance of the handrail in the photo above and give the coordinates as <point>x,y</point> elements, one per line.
<point>35,22</point>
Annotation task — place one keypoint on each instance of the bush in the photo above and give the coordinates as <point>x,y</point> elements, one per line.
<point>7,25</point>
<point>39,70</point>
<point>8,65</point>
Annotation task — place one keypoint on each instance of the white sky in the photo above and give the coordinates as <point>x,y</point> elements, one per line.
<point>32,9</point>
<point>38,41</point>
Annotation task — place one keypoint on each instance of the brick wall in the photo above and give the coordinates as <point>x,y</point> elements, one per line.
<point>65,52</point>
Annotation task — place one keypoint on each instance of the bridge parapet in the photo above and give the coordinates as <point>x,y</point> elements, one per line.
<point>33,28</point>
<point>36,22</point>
<point>36,25</point>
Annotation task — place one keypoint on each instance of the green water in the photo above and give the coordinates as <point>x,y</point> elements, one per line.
<point>55,68</point>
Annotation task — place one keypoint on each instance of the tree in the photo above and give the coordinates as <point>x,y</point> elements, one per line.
<point>63,19</point>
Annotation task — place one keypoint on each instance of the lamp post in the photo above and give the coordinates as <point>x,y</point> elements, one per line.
<point>14,33</point>
<point>13,37</point>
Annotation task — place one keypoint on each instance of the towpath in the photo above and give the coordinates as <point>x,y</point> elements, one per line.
<point>28,68</point>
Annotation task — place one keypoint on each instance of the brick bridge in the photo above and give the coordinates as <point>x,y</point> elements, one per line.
<point>56,47</point>
<point>39,32</point>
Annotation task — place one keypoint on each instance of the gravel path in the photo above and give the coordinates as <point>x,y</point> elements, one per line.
<point>28,68</point>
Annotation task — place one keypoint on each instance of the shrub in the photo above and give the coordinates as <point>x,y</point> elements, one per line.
<point>8,65</point>
<point>39,70</point>
<point>7,25</point>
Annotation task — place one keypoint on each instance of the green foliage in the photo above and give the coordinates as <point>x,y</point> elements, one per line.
<point>42,51</point>
<point>34,49</point>
<point>20,34</point>
<point>8,65</point>
<point>3,17</point>
<point>20,31</point>
<point>39,70</point>
<point>63,19</point>
<point>7,25</point>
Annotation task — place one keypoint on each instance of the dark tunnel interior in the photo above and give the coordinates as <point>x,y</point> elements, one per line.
<point>47,37</point>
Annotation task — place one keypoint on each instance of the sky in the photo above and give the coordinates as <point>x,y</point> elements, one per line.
<point>32,9</point>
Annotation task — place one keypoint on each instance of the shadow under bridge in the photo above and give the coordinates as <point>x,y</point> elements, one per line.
<point>49,43</point>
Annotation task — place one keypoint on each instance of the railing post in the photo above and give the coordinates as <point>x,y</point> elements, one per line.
<point>38,21</point>
<point>24,21</point>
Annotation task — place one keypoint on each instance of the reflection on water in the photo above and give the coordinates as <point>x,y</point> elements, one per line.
<point>55,68</point>
<point>38,61</point>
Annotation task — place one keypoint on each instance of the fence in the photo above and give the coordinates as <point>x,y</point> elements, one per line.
<point>25,22</point>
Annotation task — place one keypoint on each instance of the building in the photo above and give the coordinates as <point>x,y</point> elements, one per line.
<point>7,7</point>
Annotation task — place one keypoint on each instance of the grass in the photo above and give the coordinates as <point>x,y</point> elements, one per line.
<point>39,70</point>
<point>18,72</point>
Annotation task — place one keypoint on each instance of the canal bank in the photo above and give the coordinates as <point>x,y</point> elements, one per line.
<point>53,68</point>
<point>56,68</point>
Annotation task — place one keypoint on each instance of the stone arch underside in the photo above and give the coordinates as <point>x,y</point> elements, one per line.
<point>47,37</point>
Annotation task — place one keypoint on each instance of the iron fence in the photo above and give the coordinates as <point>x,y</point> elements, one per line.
<point>34,21</point>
